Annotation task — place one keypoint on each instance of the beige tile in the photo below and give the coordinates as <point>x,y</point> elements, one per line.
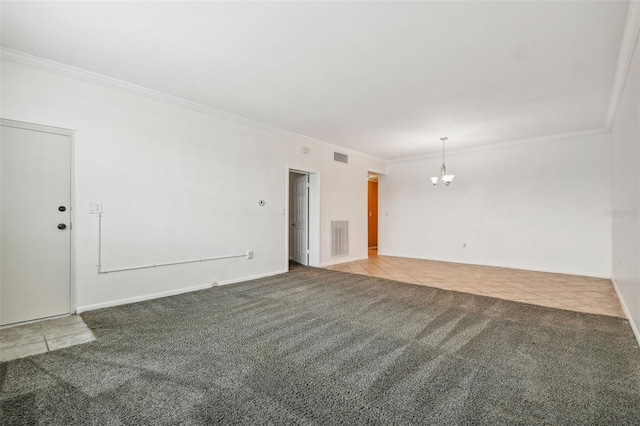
<point>22,351</point>
<point>509,289</point>
<point>523,295</point>
<point>39,337</point>
<point>584,294</point>
<point>340,268</point>
<point>8,332</point>
<point>71,340</point>
<point>466,289</point>
<point>59,322</point>
<point>401,273</point>
<point>374,271</point>
<point>588,309</point>
<point>547,302</point>
<point>382,275</point>
<point>65,330</point>
<point>431,282</point>
<point>504,296</point>
<point>580,300</point>
<point>20,339</point>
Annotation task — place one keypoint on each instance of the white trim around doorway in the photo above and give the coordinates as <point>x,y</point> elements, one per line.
<point>314,215</point>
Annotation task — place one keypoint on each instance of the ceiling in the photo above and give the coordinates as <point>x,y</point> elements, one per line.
<point>384,78</point>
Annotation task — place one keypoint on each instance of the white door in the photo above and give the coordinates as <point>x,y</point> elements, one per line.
<point>299,215</point>
<point>35,232</point>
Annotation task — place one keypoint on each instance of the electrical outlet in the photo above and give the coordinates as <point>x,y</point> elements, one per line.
<point>250,254</point>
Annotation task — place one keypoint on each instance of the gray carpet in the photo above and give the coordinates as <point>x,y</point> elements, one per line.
<point>322,347</point>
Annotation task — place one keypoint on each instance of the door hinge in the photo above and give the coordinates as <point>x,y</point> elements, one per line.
<point>307,251</point>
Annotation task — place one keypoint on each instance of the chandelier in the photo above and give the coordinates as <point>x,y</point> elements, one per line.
<point>444,177</point>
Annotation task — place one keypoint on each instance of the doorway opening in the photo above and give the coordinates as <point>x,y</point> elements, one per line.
<point>372,216</point>
<point>299,217</point>
<point>303,219</point>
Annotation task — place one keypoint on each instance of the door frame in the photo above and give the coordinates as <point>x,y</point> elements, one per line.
<point>313,214</point>
<point>381,177</point>
<point>72,137</point>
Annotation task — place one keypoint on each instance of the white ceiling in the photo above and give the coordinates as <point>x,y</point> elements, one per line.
<point>384,78</point>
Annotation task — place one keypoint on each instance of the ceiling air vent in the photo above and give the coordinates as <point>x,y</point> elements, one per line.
<point>342,158</point>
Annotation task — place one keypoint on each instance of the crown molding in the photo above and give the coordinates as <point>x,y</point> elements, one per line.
<point>509,144</point>
<point>629,41</point>
<point>89,76</point>
<point>92,77</point>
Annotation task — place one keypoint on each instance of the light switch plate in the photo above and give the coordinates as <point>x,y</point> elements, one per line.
<point>95,208</point>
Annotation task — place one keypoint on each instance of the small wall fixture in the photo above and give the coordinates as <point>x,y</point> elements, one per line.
<point>444,177</point>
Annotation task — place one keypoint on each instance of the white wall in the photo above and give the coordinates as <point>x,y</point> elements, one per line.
<point>177,184</point>
<point>536,206</point>
<point>626,194</point>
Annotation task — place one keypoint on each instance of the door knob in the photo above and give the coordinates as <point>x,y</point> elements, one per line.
<point>62,226</point>
<point>62,208</point>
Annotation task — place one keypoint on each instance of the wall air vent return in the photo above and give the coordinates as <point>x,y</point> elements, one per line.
<point>342,158</point>
<point>339,238</point>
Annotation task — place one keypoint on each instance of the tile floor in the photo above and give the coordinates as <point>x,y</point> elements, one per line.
<point>43,336</point>
<point>570,292</point>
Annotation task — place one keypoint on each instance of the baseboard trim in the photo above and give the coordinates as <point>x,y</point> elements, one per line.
<point>129,300</point>
<point>119,302</point>
<point>626,311</point>
<point>343,260</point>
<point>252,277</point>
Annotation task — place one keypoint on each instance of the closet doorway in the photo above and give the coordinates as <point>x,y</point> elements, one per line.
<point>372,209</point>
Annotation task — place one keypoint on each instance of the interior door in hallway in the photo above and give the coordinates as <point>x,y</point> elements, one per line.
<point>299,184</point>
<point>35,232</point>
<point>373,213</point>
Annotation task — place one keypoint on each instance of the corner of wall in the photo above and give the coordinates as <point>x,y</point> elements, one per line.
<point>626,311</point>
